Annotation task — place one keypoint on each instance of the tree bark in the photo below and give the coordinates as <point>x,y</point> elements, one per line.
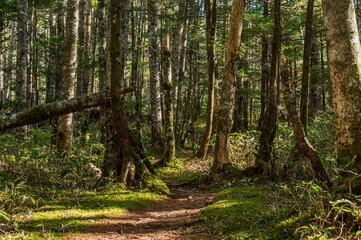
<point>46,111</point>
<point>64,136</point>
<point>21,59</point>
<point>155,103</point>
<point>264,69</point>
<point>344,54</point>
<point>302,141</point>
<point>169,143</point>
<point>264,159</point>
<point>9,65</point>
<point>211,20</point>
<point>306,64</point>
<point>221,155</point>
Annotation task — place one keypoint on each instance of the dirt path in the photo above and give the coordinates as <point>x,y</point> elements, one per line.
<point>171,218</point>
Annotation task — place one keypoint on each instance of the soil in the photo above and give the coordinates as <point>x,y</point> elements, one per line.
<point>176,217</point>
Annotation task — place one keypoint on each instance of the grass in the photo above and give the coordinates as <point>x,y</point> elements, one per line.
<point>251,211</point>
<point>73,212</point>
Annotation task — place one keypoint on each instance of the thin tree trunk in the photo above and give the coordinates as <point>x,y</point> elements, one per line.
<point>178,32</point>
<point>314,82</point>
<point>265,70</point>
<point>302,141</point>
<point>9,65</point>
<point>181,77</point>
<point>211,20</point>
<point>264,162</point>
<point>169,143</point>
<point>306,64</point>
<point>155,104</point>
<point>21,59</point>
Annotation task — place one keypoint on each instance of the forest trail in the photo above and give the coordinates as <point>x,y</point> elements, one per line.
<point>175,217</point>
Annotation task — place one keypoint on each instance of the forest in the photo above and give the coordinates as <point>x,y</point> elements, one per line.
<point>185,119</point>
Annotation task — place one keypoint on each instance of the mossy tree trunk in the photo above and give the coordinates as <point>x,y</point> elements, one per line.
<point>64,136</point>
<point>344,54</point>
<point>169,143</point>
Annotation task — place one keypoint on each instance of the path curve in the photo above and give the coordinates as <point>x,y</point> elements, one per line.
<point>173,218</point>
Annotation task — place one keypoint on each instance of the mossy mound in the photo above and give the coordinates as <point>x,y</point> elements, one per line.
<point>153,183</point>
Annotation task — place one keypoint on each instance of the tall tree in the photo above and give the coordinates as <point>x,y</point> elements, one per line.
<point>155,103</point>
<point>211,24</point>
<point>306,64</point>
<point>21,57</point>
<point>221,155</point>
<point>344,54</point>
<point>9,65</point>
<point>264,158</point>
<point>64,136</point>
<point>169,143</point>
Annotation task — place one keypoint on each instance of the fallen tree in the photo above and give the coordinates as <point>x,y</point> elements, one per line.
<point>43,112</point>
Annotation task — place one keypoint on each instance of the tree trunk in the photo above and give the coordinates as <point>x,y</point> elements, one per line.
<point>178,32</point>
<point>306,64</point>
<point>86,67</point>
<point>21,59</point>
<point>264,69</point>
<point>60,48</point>
<point>43,112</point>
<point>155,104</point>
<point>129,147</point>
<point>344,54</point>
<point>51,83</point>
<point>211,20</point>
<point>314,82</point>
<point>64,136</point>
<point>9,66</point>
<point>181,78</point>
<point>302,141</point>
<point>264,158</point>
<point>169,143</point>
<point>221,155</point>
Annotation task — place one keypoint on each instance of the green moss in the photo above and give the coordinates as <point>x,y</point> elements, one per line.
<point>245,212</point>
<point>153,183</point>
<point>73,212</point>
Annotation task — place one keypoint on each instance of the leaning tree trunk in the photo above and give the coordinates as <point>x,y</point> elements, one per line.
<point>306,64</point>
<point>21,59</point>
<point>43,112</point>
<point>264,158</point>
<point>302,141</point>
<point>155,106</point>
<point>344,54</point>
<point>64,136</point>
<point>211,20</point>
<point>221,155</point>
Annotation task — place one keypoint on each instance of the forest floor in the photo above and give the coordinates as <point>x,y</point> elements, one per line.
<point>194,209</point>
<point>171,218</point>
<point>174,217</point>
